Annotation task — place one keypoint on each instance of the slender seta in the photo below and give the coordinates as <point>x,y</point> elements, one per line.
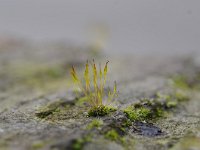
<point>93,85</point>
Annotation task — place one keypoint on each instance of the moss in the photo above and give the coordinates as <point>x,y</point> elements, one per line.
<point>46,112</point>
<point>138,114</point>
<point>157,107</point>
<point>101,111</point>
<point>96,123</point>
<point>157,112</point>
<point>60,110</point>
<point>148,109</point>
<point>112,135</point>
<point>49,109</point>
<point>126,123</point>
<point>171,104</point>
<point>173,99</point>
<point>94,90</point>
<point>78,144</point>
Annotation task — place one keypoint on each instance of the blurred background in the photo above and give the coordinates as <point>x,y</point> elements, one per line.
<point>131,26</point>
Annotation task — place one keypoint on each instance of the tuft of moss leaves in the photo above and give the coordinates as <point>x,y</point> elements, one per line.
<point>93,88</point>
<point>100,110</point>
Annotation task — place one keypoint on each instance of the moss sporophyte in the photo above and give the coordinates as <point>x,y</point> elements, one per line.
<point>93,88</point>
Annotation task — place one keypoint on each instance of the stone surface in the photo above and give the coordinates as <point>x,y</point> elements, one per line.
<point>33,77</point>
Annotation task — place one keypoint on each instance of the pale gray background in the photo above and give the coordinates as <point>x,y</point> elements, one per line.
<point>140,26</point>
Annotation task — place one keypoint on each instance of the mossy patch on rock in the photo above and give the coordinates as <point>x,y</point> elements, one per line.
<point>101,110</point>
<point>151,108</point>
<point>60,110</point>
<point>78,144</point>
<point>112,135</point>
<point>49,110</point>
<point>96,123</point>
<point>137,114</point>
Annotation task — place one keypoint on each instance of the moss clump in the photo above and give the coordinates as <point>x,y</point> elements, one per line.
<point>78,144</point>
<point>93,88</point>
<point>153,108</point>
<point>112,135</point>
<point>96,123</point>
<point>171,104</point>
<point>137,114</point>
<point>100,111</point>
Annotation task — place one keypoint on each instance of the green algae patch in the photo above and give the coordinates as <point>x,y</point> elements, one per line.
<point>101,110</point>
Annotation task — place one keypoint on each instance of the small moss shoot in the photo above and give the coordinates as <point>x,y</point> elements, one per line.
<point>92,86</point>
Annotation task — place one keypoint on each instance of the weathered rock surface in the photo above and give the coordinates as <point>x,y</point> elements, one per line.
<point>35,78</point>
